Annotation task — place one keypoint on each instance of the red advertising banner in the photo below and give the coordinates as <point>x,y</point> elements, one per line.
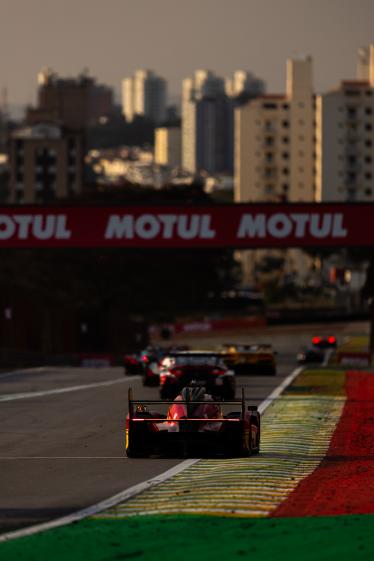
<point>232,226</point>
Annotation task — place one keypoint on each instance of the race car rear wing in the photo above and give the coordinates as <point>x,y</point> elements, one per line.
<point>133,402</point>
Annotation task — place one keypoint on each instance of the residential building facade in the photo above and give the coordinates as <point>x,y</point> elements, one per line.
<point>72,102</point>
<point>207,124</point>
<point>144,95</point>
<point>345,137</point>
<point>168,146</point>
<point>46,163</point>
<point>274,156</point>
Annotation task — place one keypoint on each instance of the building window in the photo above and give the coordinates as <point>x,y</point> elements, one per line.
<point>285,155</point>
<point>269,125</point>
<point>285,187</point>
<point>269,156</point>
<point>368,110</point>
<point>285,124</point>
<point>368,175</point>
<point>368,192</point>
<point>285,106</point>
<point>368,127</point>
<point>368,143</point>
<point>368,159</point>
<point>269,105</point>
<point>351,111</point>
<point>285,171</point>
<point>285,139</point>
<point>269,141</point>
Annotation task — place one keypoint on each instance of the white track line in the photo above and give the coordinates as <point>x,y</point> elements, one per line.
<point>30,395</point>
<point>63,458</point>
<point>135,489</point>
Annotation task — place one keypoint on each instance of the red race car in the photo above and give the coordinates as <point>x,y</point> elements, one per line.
<point>193,425</point>
<point>204,368</point>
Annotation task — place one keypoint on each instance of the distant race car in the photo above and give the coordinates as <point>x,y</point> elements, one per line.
<point>250,358</point>
<point>151,360</point>
<point>324,342</point>
<point>316,352</point>
<point>205,368</point>
<point>193,425</point>
<point>133,364</point>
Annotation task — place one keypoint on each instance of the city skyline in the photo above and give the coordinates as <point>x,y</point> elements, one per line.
<point>175,39</point>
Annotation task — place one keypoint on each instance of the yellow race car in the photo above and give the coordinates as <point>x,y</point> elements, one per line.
<point>250,358</point>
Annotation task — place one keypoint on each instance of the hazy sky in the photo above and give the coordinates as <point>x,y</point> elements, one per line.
<point>174,37</point>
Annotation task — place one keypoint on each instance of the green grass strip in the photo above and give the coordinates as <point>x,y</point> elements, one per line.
<point>186,538</point>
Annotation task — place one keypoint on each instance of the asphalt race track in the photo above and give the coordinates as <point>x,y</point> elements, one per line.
<point>62,430</point>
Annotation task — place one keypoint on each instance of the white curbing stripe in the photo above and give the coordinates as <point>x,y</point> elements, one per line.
<point>103,505</point>
<point>135,489</point>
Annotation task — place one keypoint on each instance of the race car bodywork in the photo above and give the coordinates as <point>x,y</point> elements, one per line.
<point>250,358</point>
<point>316,352</point>
<point>151,359</point>
<point>179,434</point>
<point>204,368</point>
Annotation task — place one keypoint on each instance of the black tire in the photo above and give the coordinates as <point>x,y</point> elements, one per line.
<point>132,452</point>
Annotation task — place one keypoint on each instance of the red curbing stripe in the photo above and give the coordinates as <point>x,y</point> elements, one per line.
<point>344,481</point>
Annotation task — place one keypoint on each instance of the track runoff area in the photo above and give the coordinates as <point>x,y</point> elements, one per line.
<point>308,495</point>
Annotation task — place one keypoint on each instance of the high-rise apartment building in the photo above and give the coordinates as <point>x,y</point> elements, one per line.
<point>274,155</point>
<point>46,163</point>
<point>144,95</point>
<point>168,146</point>
<point>207,124</point>
<point>274,143</point>
<point>71,102</point>
<point>345,137</point>
<point>244,84</point>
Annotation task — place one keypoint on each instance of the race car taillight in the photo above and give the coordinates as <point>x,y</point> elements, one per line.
<point>316,340</point>
<point>331,340</point>
<point>130,360</point>
<point>145,358</point>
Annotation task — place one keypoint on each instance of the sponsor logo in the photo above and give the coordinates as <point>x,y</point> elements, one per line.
<point>34,226</point>
<point>165,226</point>
<point>297,225</point>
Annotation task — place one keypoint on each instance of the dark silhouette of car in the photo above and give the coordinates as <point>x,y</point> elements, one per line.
<point>204,368</point>
<point>191,427</point>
